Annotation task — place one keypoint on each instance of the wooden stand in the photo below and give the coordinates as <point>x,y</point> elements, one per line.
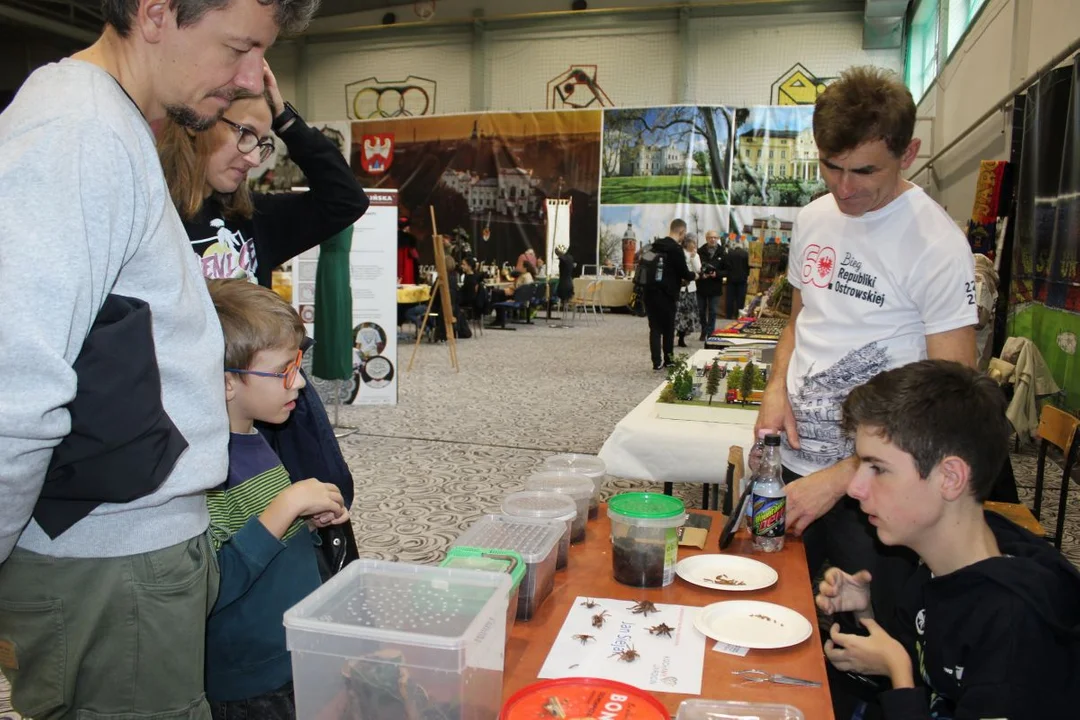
<point>442,289</point>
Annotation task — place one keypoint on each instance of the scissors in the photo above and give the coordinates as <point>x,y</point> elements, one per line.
<point>760,676</point>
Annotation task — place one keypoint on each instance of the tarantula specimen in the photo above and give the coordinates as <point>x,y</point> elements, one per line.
<point>662,630</point>
<point>589,603</point>
<point>599,618</point>
<point>644,607</point>
<point>628,655</point>
<point>583,638</point>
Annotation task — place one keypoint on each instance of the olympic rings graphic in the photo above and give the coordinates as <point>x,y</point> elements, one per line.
<point>390,101</point>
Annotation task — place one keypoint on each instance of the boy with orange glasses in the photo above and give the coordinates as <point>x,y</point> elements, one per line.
<point>257,527</point>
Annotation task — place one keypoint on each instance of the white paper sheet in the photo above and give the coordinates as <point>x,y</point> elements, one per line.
<point>666,664</point>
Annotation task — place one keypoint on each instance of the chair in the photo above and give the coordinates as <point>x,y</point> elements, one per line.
<point>586,302</point>
<point>1056,428</point>
<point>522,299</point>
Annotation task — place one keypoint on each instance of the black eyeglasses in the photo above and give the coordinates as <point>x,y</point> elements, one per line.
<point>248,141</point>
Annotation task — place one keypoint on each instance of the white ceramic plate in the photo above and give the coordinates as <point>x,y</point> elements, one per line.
<point>753,624</point>
<point>730,570</point>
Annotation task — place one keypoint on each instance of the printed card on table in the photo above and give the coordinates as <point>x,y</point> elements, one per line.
<point>669,664</point>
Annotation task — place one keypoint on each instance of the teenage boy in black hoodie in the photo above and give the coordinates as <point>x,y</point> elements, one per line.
<point>988,626</point>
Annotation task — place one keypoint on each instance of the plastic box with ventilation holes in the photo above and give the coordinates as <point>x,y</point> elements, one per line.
<point>396,641</point>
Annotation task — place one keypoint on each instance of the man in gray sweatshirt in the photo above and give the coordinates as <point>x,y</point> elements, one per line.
<point>108,616</point>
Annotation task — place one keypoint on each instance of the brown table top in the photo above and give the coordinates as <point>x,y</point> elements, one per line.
<point>589,574</point>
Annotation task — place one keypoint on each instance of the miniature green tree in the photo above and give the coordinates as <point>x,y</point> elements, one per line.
<point>734,377</point>
<point>712,381</point>
<point>746,382</point>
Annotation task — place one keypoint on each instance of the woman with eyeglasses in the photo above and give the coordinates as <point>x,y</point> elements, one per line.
<point>242,234</point>
<point>239,233</point>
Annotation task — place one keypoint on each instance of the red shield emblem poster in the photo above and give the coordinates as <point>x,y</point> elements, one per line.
<point>376,153</point>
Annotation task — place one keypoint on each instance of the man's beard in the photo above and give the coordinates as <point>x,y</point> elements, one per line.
<point>187,117</point>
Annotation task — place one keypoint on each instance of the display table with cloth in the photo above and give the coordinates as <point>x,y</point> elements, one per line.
<point>611,292</point>
<point>589,574</point>
<point>412,294</point>
<point>646,447</point>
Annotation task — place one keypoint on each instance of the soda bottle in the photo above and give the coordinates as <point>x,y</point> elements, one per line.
<point>768,499</point>
<point>754,461</point>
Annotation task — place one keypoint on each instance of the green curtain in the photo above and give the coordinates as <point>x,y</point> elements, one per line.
<point>333,351</point>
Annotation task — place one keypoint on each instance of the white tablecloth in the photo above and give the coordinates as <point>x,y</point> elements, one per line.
<point>646,447</point>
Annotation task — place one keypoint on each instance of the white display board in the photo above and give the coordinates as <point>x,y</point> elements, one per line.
<point>558,232</point>
<point>373,280</point>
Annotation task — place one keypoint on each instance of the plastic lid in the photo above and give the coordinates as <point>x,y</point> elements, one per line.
<point>707,709</point>
<point>583,698</point>
<point>379,600</point>
<point>540,504</point>
<point>575,485</point>
<point>648,506</point>
<point>468,558</point>
<point>773,440</point>
<point>574,462</point>
<point>534,538</point>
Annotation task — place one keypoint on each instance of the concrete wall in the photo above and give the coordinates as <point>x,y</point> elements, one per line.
<point>640,61</point>
<point>1008,41</point>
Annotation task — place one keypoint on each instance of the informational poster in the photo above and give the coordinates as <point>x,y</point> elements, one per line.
<point>373,265</point>
<point>373,280</point>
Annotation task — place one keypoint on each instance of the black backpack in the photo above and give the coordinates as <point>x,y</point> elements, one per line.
<point>648,263</point>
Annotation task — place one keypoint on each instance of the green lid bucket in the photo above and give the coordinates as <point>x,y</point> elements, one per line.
<point>639,508</point>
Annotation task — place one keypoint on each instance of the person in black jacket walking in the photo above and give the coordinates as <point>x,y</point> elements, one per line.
<point>240,234</point>
<point>710,286</point>
<point>662,285</point>
<point>737,269</point>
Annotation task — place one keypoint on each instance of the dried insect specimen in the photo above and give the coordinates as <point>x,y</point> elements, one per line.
<point>629,655</point>
<point>722,579</point>
<point>644,607</point>
<point>670,680</point>
<point>583,638</point>
<point>598,619</point>
<point>554,708</point>
<point>662,629</point>
<point>766,618</point>
<point>589,603</point>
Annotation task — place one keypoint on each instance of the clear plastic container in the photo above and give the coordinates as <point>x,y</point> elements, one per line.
<point>576,486</point>
<point>645,538</point>
<point>735,710</point>
<point>547,505</point>
<point>500,561</point>
<point>535,540</point>
<point>590,466</point>
<point>396,641</point>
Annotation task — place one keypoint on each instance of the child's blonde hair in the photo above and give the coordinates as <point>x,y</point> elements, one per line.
<point>253,318</point>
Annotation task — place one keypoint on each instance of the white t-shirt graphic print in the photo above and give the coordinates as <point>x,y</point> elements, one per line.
<point>873,287</point>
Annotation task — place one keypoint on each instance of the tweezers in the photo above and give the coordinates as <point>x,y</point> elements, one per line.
<point>760,676</point>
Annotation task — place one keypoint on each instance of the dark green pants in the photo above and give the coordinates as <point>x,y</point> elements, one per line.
<point>108,638</point>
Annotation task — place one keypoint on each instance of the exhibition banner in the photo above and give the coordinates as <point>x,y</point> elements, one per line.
<point>372,262</point>
<point>488,177</point>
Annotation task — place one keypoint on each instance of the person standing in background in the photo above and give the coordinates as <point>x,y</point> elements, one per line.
<point>686,314</point>
<point>106,617</point>
<point>662,283</point>
<point>737,270</point>
<point>710,286</point>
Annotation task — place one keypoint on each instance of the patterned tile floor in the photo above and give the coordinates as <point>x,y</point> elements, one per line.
<point>456,443</point>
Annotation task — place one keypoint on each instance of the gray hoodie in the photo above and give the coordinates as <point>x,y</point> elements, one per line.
<point>84,212</point>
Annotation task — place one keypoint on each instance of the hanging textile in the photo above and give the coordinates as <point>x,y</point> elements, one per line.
<point>1044,303</point>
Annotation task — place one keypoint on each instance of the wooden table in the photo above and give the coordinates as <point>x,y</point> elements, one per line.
<point>589,574</point>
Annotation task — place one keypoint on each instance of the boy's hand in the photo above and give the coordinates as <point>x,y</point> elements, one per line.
<point>303,499</point>
<point>877,654</point>
<point>841,592</point>
<point>330,518</point>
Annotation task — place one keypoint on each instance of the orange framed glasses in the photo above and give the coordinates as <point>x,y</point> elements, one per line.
<point>288,376</point>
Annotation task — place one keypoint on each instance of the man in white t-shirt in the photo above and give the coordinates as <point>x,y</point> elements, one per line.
<point>881,277</point>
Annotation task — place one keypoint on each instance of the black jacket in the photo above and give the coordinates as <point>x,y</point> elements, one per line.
<point>998,639</point>
<point>122,444</point>
<point>284,224</point>
<point>711,256</point>
<point>737,265</point>
<point>565,289</point>
<point>676,271</point>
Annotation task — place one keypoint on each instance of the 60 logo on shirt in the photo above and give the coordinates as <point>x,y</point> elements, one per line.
<point>819,265</point>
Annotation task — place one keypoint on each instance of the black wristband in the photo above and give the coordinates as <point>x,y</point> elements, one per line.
<point>287,114</point>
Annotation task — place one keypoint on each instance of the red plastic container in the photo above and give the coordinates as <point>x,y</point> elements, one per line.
<point>583,698</point>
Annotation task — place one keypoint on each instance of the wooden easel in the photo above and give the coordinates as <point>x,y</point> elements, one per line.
<point>442,289</point>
